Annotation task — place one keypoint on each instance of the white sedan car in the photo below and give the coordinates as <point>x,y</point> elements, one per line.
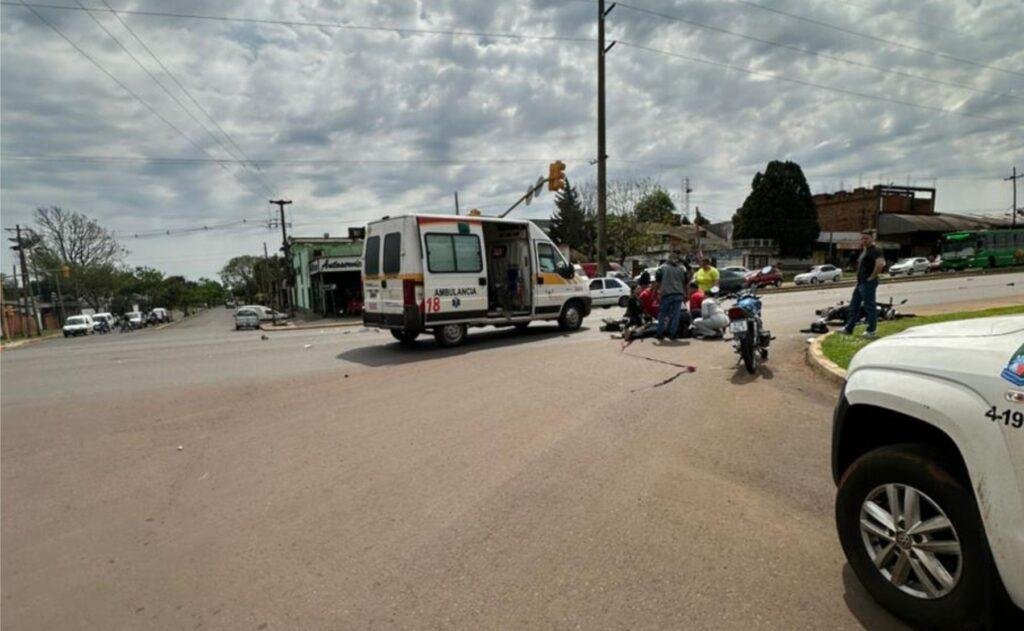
<point>78,325</point>
<point>910,266</point>
<point>819,274</point>
<point>608,292</point>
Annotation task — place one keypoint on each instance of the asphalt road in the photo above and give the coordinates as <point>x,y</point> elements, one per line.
<point>334,479</point>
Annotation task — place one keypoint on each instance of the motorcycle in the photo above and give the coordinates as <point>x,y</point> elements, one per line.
<point>841,311</point>
<point>750,338</point>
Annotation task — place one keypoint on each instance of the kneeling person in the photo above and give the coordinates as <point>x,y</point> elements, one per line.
<point>712,321</point>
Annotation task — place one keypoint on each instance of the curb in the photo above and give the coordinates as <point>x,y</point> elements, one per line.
<point>34,340</point>
<point>823,365</point>
<point>309,327</point>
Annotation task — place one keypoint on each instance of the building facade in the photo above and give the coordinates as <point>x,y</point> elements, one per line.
<point>327,273</point>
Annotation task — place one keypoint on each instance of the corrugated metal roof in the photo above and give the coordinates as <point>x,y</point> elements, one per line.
<point>891,223</point>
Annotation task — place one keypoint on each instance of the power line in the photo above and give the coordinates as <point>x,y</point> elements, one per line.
<point>190,96</point>
<point>813,52</point>
<point>874,38</point>
<point>900,18</point>
<point>121,84</point>
<point>816,85</point>
<point>174,98</point>
<point>285,161</point>
<point>306,23</point>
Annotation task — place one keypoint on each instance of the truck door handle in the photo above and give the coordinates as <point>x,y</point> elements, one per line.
<point>383,284</point>
<point>540,280</point>
<point>483,281</point>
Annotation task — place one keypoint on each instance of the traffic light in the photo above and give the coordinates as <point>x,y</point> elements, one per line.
<point>65,271</point>
<point>556,175</point>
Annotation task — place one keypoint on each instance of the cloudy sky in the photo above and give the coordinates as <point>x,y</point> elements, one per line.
<point>352,119</point>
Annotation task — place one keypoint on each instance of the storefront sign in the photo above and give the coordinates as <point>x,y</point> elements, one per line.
<point>335,264</point>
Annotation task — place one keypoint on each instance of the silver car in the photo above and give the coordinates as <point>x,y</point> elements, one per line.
<point>247,318</point>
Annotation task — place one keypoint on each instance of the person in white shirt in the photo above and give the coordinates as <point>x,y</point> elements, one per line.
<point>712,320</point>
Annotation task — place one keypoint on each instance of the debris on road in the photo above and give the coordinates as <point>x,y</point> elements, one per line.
<point>308,346</point>
<point>264,337</point>
<point>180,447</point>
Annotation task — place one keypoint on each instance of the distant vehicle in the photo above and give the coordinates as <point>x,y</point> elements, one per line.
<point>591,269</point>
<point>910,266</point>
<point>161,314</point>
<point>982,248</point>
<point>78,325</point>
<point>265,313</point>
<point>247,318</point>
<point>734,268</point>
<point>819,274</point>
<point>768,276</point>
<point>608,292</point>
<point>580,272</point>
<point>100,318</point>
<point>928,458</point>
<point>446,273</point>
<point>731,280</point>
<point>624,277</point>
<point>134,319</point>
<point>230,304</point>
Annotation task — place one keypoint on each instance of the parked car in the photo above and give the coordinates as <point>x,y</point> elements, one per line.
<point>928,457</point>
<point>98,319</point>
<point>910,266</point>
<point>735,268</point>
<point>134,319</point>
<point>247,318</point>
<point>608,292</point>
<point>765,277</point>
<point>731,280</point>
<point>162,315</point>
<point>819,274</point>
<point>580,272</point>
<point>78,325</point>
<point>624,277</point>
<point>265,313</point>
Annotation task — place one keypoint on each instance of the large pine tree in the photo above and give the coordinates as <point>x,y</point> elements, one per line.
<point>779,207</point>
<point>569,223</point>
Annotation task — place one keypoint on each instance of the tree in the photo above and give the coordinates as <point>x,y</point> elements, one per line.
<point>779,207</point>
<point>656,207</point>
<point>626,234</point>
<point>239,277</point>
<point>569,223</point>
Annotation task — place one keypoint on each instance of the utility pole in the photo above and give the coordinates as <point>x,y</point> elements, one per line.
<point>281,203</point>
<point>1013,181</point>
<point>456,202</point>
<point>602,157</point>
<point>22,305</point>
<point>686,197</point>
<point>30,302</point>
<point>267,283</point>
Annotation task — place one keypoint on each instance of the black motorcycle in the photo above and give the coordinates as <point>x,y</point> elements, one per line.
<point>840,311</point>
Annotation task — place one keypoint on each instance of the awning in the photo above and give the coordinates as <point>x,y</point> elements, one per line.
<point>891,223</point>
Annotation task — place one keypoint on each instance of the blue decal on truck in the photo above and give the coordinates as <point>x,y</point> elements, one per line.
<point>1014,371</point>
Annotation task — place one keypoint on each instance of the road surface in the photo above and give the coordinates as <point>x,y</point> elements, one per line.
<point>334,479</point>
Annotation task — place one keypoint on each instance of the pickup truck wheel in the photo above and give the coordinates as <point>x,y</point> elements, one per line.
<point>450,335</point>
<point>913,536</point>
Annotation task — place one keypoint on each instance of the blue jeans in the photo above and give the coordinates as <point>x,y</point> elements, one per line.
<point>668,314</point>
<point>863,299</point>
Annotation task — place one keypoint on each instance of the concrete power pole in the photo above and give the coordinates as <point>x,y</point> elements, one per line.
<point>602,157</point>
<point>281,203</point>
<point>30,301</point>
<point>1013,181</point>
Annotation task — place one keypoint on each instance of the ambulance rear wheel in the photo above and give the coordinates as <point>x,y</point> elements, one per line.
<point>403,336</point>
<point>450,335</point>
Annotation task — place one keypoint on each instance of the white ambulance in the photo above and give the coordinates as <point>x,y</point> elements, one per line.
<point>445,273</point>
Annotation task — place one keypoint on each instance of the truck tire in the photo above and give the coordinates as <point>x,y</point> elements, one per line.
<point>571,318</point>
<point>450,335</point>
<point>405,337</point>
<point>930,566</point>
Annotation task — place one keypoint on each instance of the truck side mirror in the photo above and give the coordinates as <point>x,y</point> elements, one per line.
<point>565,270</point>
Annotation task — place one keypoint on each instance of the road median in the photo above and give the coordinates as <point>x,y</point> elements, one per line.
<point>887,280</point>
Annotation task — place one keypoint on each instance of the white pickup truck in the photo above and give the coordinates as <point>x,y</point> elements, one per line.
<point>928,455</point>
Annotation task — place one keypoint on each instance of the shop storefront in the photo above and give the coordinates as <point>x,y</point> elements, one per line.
<point>327,275</point>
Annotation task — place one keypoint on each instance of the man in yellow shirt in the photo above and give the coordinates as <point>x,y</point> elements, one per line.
<point>706,277</point>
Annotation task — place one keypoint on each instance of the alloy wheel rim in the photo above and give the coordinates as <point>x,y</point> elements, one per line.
<point>452,332</point>
<point>572,316</point>
<point>911,541</point>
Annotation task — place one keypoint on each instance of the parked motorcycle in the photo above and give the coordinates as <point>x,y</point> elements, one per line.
<point>841,311</point>
<point>750,338</point>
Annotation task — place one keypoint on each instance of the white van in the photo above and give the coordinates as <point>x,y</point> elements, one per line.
<point>444,273</point>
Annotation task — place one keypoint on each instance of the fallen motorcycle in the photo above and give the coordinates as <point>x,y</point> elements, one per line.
<point>840,311</point>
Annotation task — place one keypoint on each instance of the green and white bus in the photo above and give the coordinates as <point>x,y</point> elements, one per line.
<point>982,248</point>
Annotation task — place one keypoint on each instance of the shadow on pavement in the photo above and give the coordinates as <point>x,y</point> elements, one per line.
<point>741,375</point>
<point>426,348</point>
<point>869,613</point>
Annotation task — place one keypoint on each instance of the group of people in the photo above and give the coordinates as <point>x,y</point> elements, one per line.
<point>673,305</point>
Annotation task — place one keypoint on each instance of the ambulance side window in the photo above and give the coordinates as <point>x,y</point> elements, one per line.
<point>454,253</point>
<point>547,257</point>
<point>393,253</point>
<point>372,263</point>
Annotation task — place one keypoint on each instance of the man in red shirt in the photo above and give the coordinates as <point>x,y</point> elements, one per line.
<point>696,298</point>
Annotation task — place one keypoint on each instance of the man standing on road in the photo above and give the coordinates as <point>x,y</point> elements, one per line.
<point>869,265</point>
<point>671,282</point>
